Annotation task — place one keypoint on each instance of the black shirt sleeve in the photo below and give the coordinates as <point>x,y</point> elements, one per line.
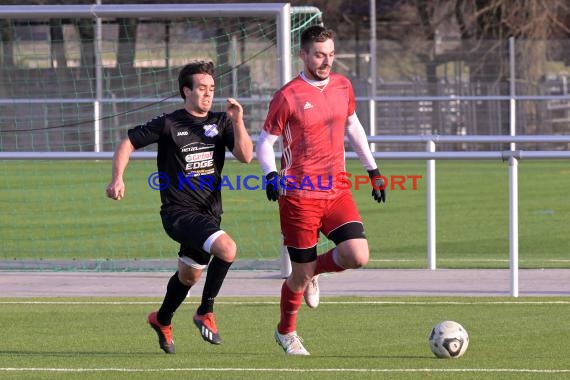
<point>146,134</point>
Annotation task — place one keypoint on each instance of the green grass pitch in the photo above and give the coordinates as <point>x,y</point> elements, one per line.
<point>58,210</point>
<point>349,338</point>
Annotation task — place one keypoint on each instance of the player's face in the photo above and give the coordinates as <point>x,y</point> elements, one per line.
<point>199,99</point>
<point>318,60</point>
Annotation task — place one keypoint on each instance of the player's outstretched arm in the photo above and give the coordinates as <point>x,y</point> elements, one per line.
<point>359,142</point>
<point>243,147</point>
<point>116,188</point>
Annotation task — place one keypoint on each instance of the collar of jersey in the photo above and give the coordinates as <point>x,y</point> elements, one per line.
<point>316,83</point>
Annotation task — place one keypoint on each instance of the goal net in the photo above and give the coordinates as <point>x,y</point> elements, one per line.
<point>75,78</point>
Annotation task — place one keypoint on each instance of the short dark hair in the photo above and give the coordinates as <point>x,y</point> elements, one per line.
<point>315,33</point>
<point>197,67</point>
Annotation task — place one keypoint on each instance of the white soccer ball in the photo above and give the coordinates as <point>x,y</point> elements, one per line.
<point>448,339</point>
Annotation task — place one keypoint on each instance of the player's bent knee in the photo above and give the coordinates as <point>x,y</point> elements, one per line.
<point>228,256</point>
<point>362,256</point>
<point>188,275</point>
<point>224,247</point>
<point>361,260</point>
<point>355,261</point>
<point>353,253</point>
<point>188,281</point>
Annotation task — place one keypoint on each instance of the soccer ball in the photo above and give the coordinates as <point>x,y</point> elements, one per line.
<point>448,339</point>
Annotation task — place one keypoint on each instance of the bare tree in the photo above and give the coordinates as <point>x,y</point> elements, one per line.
<point>127,42</point>
<point>487,25</point>
<point>483,28</point>
<point>531,22</point>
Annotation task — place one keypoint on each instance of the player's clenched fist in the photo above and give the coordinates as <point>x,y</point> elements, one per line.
<point>378,185</point>
<point>272,186</point>
<point>116,190</point>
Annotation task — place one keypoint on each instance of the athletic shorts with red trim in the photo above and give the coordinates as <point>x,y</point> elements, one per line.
<point>303,218</point>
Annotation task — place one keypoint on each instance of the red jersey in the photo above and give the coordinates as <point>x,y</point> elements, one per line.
<point>312,121</point>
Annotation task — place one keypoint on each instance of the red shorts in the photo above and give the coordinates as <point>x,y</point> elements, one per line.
<point>303,218</point>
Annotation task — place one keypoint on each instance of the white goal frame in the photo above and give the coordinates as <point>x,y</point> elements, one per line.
<point>281,12</point>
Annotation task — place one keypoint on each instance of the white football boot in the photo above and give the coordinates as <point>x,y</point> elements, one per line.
<point>291,343</point>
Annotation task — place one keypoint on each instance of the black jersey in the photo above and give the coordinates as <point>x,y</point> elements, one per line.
<point>190,158</point>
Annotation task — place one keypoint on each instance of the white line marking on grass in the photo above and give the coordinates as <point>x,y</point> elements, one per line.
<point>420,303</point>
<point>397,260</point>
<point>329,370</point>
<point>472,261</point>
<point>80,302</point>
<point>363,302</point>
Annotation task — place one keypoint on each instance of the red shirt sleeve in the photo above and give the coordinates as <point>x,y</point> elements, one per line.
<point>278,114</point>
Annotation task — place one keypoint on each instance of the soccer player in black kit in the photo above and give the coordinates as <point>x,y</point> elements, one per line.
<point>190,157</point>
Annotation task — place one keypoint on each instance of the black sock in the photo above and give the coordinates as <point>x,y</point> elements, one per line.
<point>176,293</point>
<point>217,271</point>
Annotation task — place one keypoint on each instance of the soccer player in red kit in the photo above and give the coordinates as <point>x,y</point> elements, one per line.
<point>313,113</point>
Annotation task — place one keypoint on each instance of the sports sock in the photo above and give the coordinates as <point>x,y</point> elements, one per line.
<point>326,263</point>
<point>176,293</point>
<point>217,271</point>
<point>290,304</point>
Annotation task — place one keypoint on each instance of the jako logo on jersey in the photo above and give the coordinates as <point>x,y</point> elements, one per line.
<point>307,105</point>
<point>182,133</point>
<point>210,130</point>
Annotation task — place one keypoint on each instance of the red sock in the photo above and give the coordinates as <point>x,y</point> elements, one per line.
<point>290,304</point>
<point>326,263</point>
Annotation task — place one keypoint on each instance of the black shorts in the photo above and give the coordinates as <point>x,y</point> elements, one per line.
<point>191,229</point>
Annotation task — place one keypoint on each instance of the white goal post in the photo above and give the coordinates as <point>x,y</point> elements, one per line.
<point>282,13</point>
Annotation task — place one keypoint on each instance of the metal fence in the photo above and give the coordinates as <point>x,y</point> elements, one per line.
<point>466,120</point>
<point>42,109</point>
